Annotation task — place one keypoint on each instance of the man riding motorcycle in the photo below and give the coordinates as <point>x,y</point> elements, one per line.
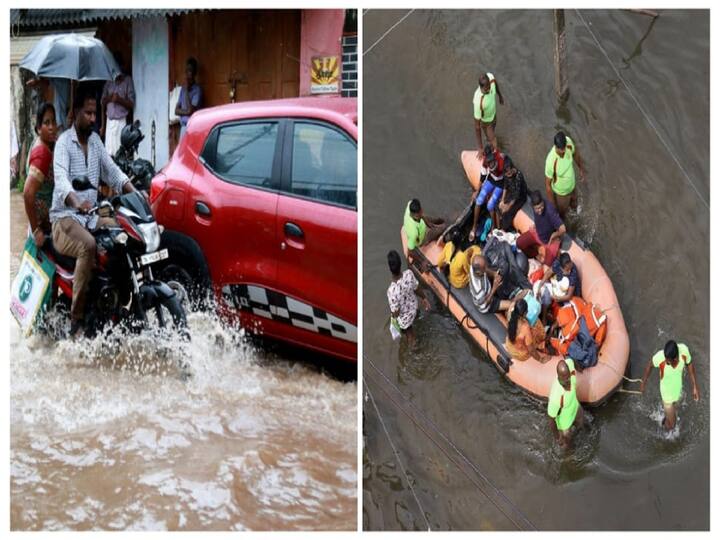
<point>80,152</point>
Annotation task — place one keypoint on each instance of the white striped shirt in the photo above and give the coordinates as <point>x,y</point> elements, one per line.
<point>69,162</point>
<point>480,288</point>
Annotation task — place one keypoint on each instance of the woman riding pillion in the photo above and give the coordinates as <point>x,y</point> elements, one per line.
<point>39,182</point>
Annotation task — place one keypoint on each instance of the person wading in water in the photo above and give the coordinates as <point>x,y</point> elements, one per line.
<point>484,109</point>
<point>564,409</point>
<point>671,362</point>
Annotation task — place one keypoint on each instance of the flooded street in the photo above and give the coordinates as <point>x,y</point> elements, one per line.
<point>110,437</point>
<point>643,210</point>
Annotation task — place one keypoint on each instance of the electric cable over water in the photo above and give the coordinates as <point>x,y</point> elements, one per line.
<point>647,116</point>
<point>370,48</point>
<point>397,458</point>
<point>471,471</point>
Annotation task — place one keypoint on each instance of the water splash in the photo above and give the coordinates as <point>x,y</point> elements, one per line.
<point>151,431</point>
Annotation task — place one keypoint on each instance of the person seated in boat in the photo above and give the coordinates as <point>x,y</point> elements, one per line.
<point>456,259</point>
<point>543,240</point>
<point>420,230</point>
<point>671,362</point>
<point>533,312</point>
<point>484,285</point>
<point>551,293</point>
<point>492,184</point>
<point>402,296</point>
<point>514,195</point>
<point>524,340</point>
<point>564,409</point>
<point>564,267</point>
<point>511,266</point>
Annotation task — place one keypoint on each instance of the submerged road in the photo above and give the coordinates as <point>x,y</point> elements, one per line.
<point>114,440</point>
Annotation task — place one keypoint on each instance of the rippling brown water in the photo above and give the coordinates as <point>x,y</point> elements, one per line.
<point>111,438</point>
<point>638,211</point>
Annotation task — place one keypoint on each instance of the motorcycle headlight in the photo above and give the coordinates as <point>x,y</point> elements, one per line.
<point>121,238</point>
<point>151,235</point>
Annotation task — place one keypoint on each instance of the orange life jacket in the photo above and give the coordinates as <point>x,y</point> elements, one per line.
<point>568,319</point>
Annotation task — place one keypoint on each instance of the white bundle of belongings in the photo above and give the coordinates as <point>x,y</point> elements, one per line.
<point>556,288</point>
<point>504,236</point>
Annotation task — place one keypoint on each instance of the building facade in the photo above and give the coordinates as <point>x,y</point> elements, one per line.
<point>242,55</point>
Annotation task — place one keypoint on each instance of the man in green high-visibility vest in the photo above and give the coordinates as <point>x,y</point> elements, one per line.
<point>671,362</point>
<point>564,409</point>
<point>560,173</point>
<point>484,109</point>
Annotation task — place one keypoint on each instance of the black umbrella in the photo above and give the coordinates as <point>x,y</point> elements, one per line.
<point>71,56</point>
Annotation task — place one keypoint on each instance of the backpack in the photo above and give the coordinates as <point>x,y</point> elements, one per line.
<point>583,349</point>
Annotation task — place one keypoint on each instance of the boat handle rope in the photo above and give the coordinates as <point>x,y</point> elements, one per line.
<point>614,306</point>
<point>466,321</point>
<point>627,379</point>
<point>597,280</point>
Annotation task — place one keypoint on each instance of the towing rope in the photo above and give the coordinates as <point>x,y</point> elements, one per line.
<point>626,391</point>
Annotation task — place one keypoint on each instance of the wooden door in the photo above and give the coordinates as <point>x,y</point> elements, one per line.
<point>256,52</point>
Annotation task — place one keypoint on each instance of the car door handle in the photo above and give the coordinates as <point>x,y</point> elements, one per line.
<point>291,229</point>
<point>202,209</point>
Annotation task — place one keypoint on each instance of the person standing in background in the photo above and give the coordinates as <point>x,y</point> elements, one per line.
<point>190,95</point>
<point>118,101</point>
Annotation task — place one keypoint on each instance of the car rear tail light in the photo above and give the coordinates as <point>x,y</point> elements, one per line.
<point>157,186</point>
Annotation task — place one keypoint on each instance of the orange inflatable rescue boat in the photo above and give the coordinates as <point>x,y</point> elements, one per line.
<point>594,384</point>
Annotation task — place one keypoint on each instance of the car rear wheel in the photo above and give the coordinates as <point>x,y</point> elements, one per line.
<point>181,279</point>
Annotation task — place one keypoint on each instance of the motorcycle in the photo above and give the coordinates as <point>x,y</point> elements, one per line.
<point>141,171</point>
<point>123,289</point>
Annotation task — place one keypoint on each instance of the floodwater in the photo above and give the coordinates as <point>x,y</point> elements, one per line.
<point>640,215</point>
<point>116,440</point>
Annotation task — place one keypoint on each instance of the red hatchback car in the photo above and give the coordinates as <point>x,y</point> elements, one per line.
<point>259,202</point>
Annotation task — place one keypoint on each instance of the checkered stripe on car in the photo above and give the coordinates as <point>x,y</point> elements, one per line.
<point>278,307</point>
